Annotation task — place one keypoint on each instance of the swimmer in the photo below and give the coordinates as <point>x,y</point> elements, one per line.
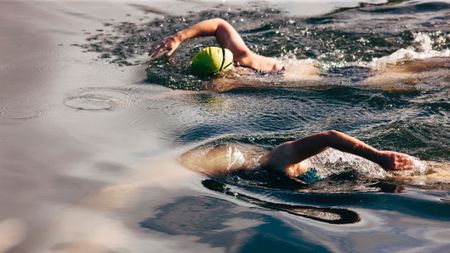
<point>292,158</point>
<point>228,38</point>
<point>293,73</point>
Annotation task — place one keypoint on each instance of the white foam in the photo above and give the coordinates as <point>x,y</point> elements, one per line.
<point>335,162</point>
<point>421,49</point>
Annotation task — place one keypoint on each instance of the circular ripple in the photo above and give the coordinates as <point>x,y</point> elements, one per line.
<point>24,109</point>
<point>97,99</point>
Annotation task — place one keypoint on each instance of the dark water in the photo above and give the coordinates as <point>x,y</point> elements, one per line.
<point>386,216</point>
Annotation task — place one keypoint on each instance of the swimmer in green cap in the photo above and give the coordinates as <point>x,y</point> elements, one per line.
<point>293,72</point>
<point>226,36</point>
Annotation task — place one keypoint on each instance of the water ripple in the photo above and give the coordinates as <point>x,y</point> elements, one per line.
<point>24,109</point>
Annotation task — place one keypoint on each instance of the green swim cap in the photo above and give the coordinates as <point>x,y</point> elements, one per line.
<point>212,60</point>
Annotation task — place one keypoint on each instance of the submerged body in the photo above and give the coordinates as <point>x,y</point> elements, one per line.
<point>228,158</point>
<point>304,73</point>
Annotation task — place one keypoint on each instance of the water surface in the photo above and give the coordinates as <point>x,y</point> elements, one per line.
<point>91,142</point>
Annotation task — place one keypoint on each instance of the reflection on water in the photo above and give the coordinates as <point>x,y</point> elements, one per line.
<point>327,215</point>
<point>72,175</point>
<point>219,223</point>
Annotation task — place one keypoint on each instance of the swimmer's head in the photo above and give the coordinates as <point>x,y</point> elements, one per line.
<point>212,60</point>
<point>224,158</point>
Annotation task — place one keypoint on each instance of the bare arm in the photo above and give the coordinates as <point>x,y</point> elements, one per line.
<point>226,36</point>
<point>284,156</point>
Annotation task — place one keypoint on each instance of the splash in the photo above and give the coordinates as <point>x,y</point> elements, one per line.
<point>334,162</point>
<point>422,48</point>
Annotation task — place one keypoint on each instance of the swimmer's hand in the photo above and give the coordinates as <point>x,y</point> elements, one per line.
<point>166,47</point>
<point>395,161</point>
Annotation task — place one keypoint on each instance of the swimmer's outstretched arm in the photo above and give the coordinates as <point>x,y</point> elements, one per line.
<point>226,36</point>
<point>288,156</point>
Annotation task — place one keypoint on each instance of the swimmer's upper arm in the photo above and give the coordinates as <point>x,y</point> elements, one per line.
<point>228,37</point>
<point>225,34</point>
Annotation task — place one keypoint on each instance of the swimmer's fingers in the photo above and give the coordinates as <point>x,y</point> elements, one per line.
<point>396,161</point>
<point>157,50</point>
<point>170,52</point>
<point>164,48</point>
<point>407,163</point>
<point>403,162</point>
<point>154,48</point>
<point>171,44</point>
<point>158,54</point>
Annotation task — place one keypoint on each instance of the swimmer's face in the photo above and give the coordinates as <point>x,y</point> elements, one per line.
<point>296,169</point>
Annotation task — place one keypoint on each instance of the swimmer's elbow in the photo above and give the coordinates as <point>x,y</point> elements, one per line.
<point>221,22</point>
<point>331,135</point>
<point>223,26</point>
<point>218,23</point>
<point>208,27</point>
